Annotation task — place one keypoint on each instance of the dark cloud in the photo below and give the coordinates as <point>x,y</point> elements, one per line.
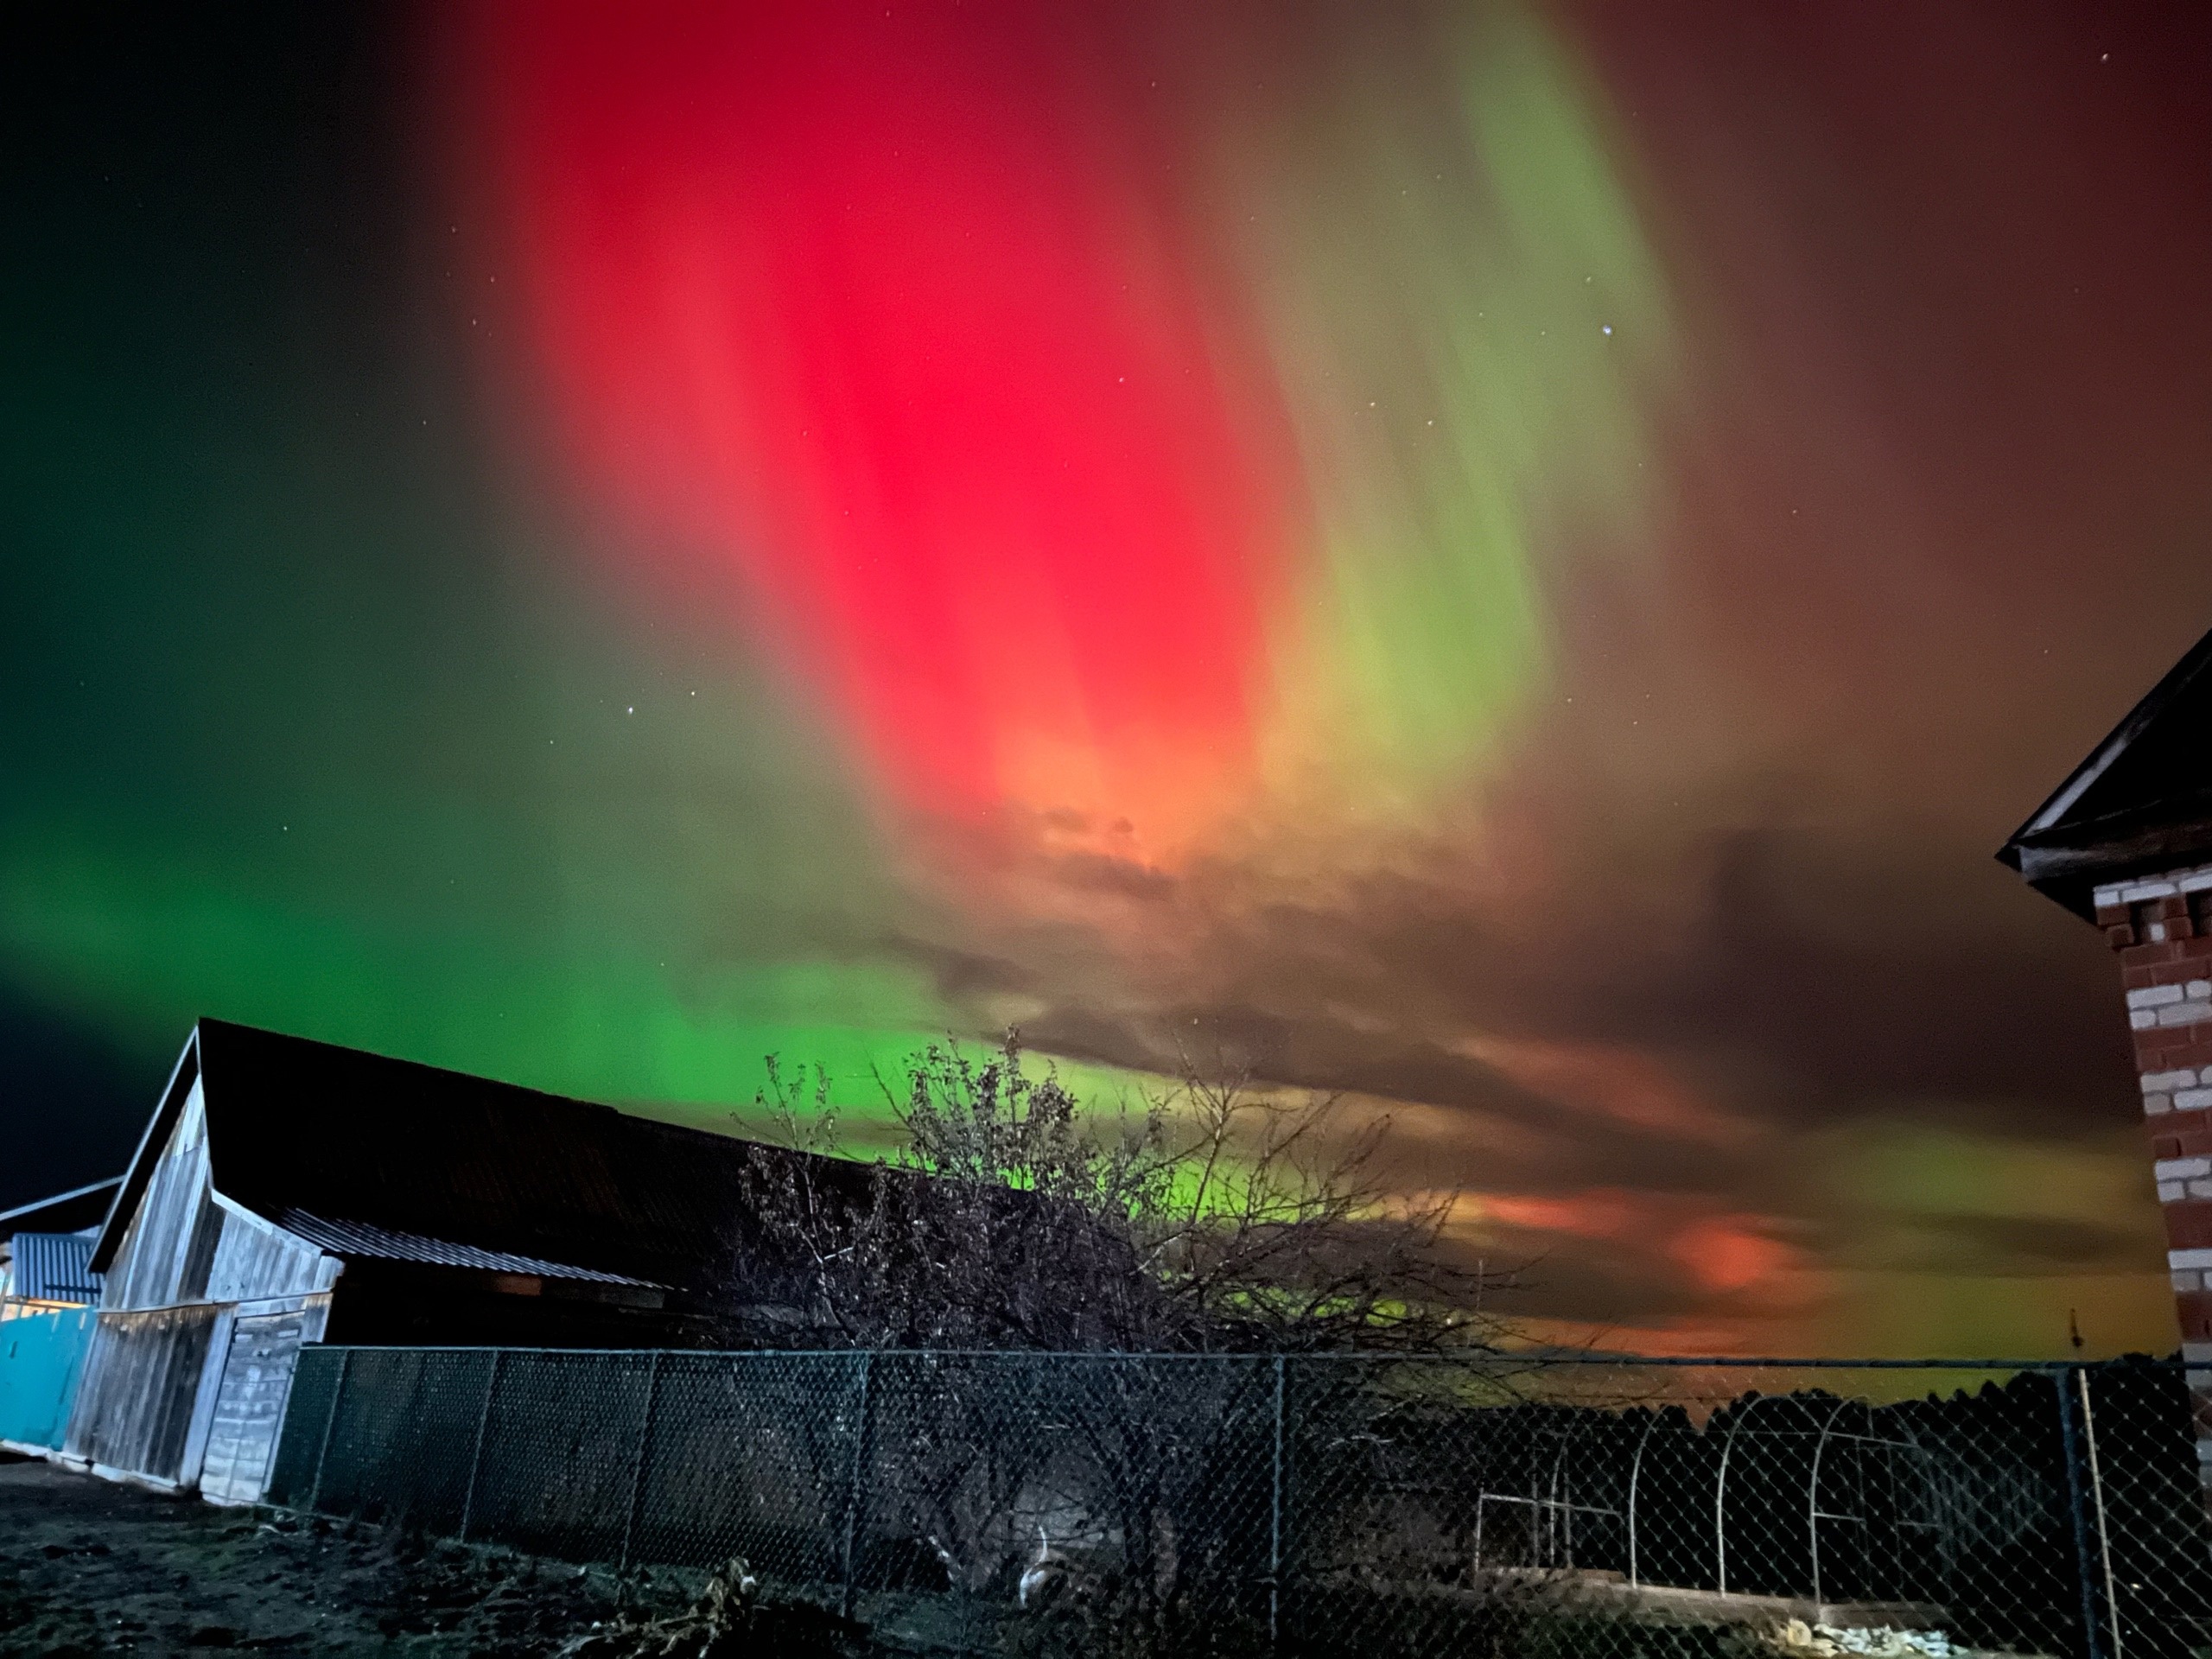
<point>2001,1245</point>
<point>1649,1042</point>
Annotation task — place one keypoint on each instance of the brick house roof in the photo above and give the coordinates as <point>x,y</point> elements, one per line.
<point>2142,801</point>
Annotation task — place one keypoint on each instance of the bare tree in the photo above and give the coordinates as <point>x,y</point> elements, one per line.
<point>1216,1218</point>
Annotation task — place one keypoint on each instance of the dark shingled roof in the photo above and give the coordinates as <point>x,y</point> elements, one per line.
<point>377,1157</point>
<point>2141,801</point>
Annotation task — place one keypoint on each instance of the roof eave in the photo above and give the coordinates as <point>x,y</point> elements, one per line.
<point>141,1169</point>
<point>2021,850</point>
<point>2067,864</point>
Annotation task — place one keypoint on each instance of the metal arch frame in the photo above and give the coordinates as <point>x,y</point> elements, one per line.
<point>1812,1485</point>
<point>1635,1475</point>
<point>1721,1491</point>
<point>1558,1511</point>
<point>1562,1505</point>
<point>1558,1508</point>
<point>1814,1516</point>
<point>1905,1442</point>
<point>1939,1523</point>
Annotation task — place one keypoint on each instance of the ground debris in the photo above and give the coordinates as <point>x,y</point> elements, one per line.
<point>88,1567</point>
<point>728,1619</point>
<point>1797,1637</point>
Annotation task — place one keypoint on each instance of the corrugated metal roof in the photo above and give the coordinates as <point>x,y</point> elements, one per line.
<point>362,1238</point>
<point>55,1268</point>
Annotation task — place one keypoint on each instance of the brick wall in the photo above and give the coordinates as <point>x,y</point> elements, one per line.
<point>2162,928</point>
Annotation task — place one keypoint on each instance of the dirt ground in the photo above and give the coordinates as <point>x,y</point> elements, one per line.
<point>87,1566</point>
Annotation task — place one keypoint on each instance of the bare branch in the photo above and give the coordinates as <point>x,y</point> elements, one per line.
<point>1218,1218</point>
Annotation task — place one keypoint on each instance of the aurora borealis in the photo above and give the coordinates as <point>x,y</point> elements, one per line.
<point>1512,561</point>
<point>1067,486</point>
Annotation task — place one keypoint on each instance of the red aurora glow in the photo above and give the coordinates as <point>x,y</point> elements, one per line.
<point>891,320</point>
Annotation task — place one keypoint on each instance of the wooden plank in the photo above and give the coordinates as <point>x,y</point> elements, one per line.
<point>172,1237</point>
<point>140,1389</point>
<point>256,1261</point>
<point>249,1405</point>
<point>204,1392</point>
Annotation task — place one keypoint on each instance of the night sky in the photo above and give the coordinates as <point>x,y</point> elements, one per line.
<point>1514,562</point>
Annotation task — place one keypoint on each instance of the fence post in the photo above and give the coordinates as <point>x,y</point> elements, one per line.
<point>329,1424</point>
<point>1274,1519</point>
<point>863,1460</point>
<point>2097,1491</point>
<point>476,1456</point>
<point>637,1463</point>
<point>2092,1644</point>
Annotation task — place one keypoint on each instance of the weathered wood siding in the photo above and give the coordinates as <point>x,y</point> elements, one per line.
<point>249,1404</point>
<point>185,1244</point>
<point>255,1260</point>
<point>169,1246</point>
<point>203,1307</point>
<point>141,1390</point>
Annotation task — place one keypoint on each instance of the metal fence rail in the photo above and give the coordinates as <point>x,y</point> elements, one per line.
<point>1093,1503</point>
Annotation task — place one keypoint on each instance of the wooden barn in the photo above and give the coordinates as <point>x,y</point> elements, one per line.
<point>287,1192</point>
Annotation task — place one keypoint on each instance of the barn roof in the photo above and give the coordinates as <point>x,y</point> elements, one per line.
<point>361,1239</point>
<point>2142,801</point>
<point>369,1156</point>
<point>54,1268</point>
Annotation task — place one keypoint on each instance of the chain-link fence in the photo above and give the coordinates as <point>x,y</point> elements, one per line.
<point>1095,1503</point>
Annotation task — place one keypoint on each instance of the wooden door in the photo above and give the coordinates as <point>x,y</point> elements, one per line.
<point>249,1404</point>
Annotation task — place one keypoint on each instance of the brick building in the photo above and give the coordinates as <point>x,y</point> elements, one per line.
<point>2125,842</point>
